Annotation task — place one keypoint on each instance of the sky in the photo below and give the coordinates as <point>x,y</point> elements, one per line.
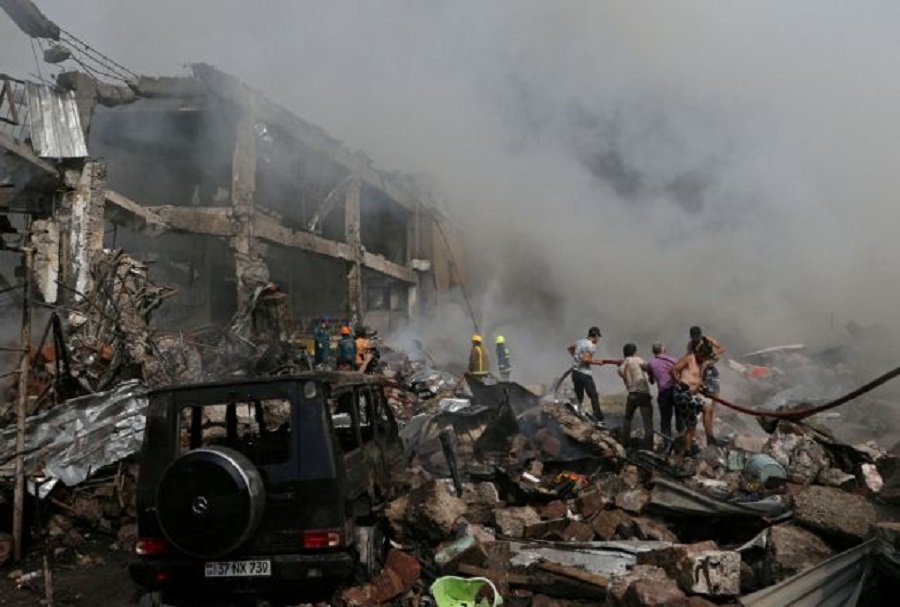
<point>641,166</point>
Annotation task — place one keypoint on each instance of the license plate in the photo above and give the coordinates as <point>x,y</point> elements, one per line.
<point>238,569</point>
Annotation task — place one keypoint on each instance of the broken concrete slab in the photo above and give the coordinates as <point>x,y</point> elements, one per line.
<point>699,568</point>
<point>578,531</point>
<point>481,500</point>
<point>512,521</point>
<point>652,583</point>
<point>650,529</point>
<point>633,500</point>
<point>432,510</point>
<point>835,513</point>
<point>553,510</point>
<point>590,503</point>
<point>608,523</point>
<point>791,549</point>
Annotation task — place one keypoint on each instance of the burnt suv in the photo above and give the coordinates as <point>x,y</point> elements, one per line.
<point>263,485</point>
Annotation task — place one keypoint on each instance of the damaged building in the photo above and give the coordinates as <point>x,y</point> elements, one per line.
<point>221,191</point>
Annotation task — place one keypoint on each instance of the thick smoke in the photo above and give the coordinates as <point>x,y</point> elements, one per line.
<point>642,166</point>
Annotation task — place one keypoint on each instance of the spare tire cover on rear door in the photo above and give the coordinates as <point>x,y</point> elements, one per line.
<point>210,501</point>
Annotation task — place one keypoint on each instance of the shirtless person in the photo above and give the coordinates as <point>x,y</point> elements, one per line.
<point>707,350</point>
<point>688,402</point>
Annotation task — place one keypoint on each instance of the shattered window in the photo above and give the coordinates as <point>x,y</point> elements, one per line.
<point>341,410</point>
<point>259,429</point>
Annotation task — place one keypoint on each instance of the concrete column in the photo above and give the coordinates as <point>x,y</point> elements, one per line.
<point>352,235</point>
<point>250,268</point>
<point>81,230</point>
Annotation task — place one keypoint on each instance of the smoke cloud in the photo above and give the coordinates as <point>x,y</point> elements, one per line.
<point>641,166</point>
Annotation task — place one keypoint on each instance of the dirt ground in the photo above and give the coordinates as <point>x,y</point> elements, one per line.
<point>93,575</point>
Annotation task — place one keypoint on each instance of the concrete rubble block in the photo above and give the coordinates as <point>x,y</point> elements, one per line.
<point>589,504</point>
<point>652,585</point>
<point>127,536</point>
<point>697,601</point>
<point>581,432</point>
<point>791,550</point>
<point>405,479</point>
<point>633,500</point>
<point>545,529</point>
<point>649,529</point>
<point>6,547</point>
<point>396,515</point>
<point>547,443</point>
<point>798,452</point>
<point>481,499</point>
<point>404,565</point>
<point>608,523</point>
<point>835,477</point>
<point>433,510</point>
<point>749,579</point>
<point>749,442</point>
<point>699,568</point>
<point>512,521</point>
<point>834,513</point>
<point>400,572</point>
<point>553,510</point>
<point>631,476</point>
<point>578,531</point>
<point>469,548</point>
<point>542,600</point>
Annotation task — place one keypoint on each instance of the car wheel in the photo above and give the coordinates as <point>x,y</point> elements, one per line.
<point>210,501</point>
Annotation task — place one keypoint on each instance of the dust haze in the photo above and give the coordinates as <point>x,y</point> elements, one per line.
<point>642,166</point>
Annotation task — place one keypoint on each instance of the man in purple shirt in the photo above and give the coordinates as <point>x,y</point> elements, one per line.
<point>659,368</point>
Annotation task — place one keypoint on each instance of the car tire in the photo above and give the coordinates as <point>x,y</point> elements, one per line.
<point>210,501</point>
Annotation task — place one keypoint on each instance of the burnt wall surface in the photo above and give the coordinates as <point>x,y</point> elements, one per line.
<point>316,284</point>
<point>162,153</point>
<point>383,225</point>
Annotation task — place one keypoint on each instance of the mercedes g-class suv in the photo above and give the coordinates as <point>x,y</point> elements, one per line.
<point>259,485</point>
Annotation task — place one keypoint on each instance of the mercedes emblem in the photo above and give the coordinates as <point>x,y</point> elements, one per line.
<point>199,505</point>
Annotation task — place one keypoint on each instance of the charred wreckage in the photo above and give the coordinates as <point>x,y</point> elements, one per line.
<point>168,401</point>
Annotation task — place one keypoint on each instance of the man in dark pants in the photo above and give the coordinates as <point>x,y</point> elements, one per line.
<point>582,352</point>
<point>633,373</point>
<point>660,370</point>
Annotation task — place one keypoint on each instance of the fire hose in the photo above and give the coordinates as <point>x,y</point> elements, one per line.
<point>794,414</point>
<point>802,413</point>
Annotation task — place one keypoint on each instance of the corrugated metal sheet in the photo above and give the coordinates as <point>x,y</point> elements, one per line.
<point>55,126</point>
<point>836,582</point>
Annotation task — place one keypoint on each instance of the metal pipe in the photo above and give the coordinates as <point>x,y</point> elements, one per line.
<point>22,409</point>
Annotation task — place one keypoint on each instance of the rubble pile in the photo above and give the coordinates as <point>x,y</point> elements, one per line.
<point>108,331</point>
<point>558,512</point>
<point>512,496</point>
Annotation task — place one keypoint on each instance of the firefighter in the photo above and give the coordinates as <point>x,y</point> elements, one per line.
<point>478,360</point>
<point>504,366</point>
<point>346,350</point>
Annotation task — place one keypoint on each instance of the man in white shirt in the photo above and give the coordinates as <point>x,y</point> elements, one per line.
<point>633,373</point>
<point>582,352</point>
